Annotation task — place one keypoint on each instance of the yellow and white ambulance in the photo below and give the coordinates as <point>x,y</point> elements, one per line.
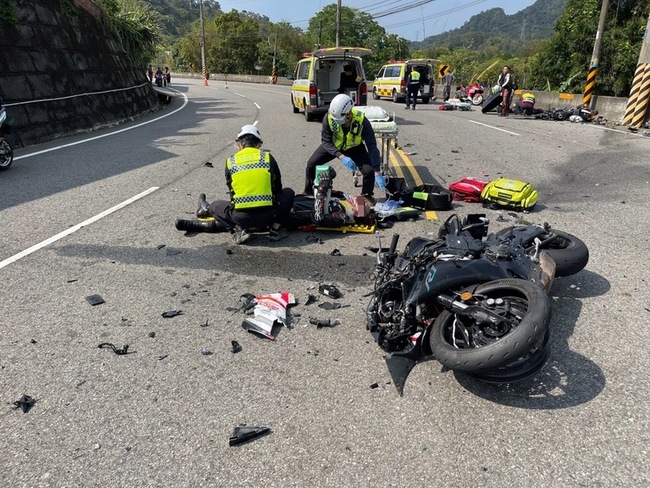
<point>390,82</point>
<point>323,74</point>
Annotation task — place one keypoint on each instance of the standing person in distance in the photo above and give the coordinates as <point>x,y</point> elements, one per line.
<point>506,84</point>
<point>347,135</point>
<point>412,87</point>
<point>447,81</point>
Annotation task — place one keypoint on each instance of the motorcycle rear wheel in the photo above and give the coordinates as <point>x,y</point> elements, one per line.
<point>529,308</point>
<point>6,155</point>
<point>477,99</point>
<point>569,253</point>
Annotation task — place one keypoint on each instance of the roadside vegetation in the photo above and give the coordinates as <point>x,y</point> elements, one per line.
<point>168,33</point>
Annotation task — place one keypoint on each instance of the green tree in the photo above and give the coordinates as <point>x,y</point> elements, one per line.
<point>358,29</point>
<point>136,26</point>
<point>565,61</point>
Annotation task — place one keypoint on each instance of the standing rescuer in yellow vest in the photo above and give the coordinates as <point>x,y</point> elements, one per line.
<point>257,197</point>
<point>347,135</point>
<point>412,87</point>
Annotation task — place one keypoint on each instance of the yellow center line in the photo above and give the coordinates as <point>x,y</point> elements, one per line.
<point>409,165</point>
<point>396,165</point>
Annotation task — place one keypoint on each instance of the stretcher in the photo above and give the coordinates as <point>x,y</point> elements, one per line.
<point>386,132</point>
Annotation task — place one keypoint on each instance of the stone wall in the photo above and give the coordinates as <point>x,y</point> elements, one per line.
<point>62,72</point>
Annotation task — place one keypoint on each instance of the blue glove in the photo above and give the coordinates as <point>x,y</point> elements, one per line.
<point>380,181</point>
<point>348,163</point>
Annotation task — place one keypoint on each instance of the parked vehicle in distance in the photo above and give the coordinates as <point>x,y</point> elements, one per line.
<point>390,82</point>
<point>323,74</point>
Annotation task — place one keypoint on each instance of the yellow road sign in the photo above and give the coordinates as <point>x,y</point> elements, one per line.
<point>443,69</point>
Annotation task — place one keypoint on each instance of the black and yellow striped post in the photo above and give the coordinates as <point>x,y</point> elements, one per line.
<point>634,93</point>
<point>205,76</point>
<point>642,100</point>
<point>274,76</point>
<point>590,86</point>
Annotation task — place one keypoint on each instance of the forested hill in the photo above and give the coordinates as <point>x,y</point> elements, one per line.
<point>533,22</point>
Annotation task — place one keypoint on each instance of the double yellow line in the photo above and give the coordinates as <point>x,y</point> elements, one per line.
<point>399,160</point>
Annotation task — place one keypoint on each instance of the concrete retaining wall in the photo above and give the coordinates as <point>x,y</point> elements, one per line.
<point>63,73</point>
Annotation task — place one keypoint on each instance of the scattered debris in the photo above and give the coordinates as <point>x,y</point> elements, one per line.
<point>311,299</point>
<point>25,403</point>
<point>331,305</point>
<point>206,352</point>
<point>119,352</point>
<point>242,434</point>
<point>95,300</point>
<point>320,323</point>
<point>160,358</point>
<point>374,385</point>
<point>335,252</point>
<point>205,324</point>
<point>236,347</point>
<point>152,334</point>
<point>172,313</point>
<point>172,251</point>
<point>330,291</point>
<point>160,246</point>
<point>209,164</point>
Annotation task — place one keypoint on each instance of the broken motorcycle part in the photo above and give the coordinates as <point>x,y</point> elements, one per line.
<point>119,352</point>
<point>236,347</point>
<point>25,403</point>
<point>330,291</point>
<point>172,313</point>
<point>242,434</point>
<point>95,300</point>
<point>320,323</point>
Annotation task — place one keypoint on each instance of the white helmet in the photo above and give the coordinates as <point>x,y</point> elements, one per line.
<point>341,106</point>
<point>249,129</point>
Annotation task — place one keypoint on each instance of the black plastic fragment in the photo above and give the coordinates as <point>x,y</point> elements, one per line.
<point>236,347</point>
<point>95,300</point>
<point>25,403</point>
<point>331,305</point>
<point>209,164</point>
<point>335,252</point>
<point>311,299</point>
<point>172,313</point>
<point>119,352</point>
<point>320,323</point>
<point>400,365</point>
<point>330,291</point>
<point>242,434</point>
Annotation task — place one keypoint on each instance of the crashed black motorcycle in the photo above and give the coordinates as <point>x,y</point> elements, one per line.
<point>475,302</point>
<point>6,151</point>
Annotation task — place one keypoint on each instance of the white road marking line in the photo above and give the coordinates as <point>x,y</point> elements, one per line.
<point>258,107</point>
<point>185,102</point>
<point>75,228</point>
<point>495,128</point>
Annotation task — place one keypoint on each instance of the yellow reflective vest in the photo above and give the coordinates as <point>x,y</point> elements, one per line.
<point>528,97</point>
<point>250,171</point>
<point>353,138</point>
<point>415,76</point>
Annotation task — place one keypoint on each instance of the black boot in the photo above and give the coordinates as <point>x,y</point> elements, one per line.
<point>203,210</point>
<point>198,226</point>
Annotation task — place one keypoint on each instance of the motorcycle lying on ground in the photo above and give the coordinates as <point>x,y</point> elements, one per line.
<point>476,303</point>
<point>472,93</point>
<point>6,151</point>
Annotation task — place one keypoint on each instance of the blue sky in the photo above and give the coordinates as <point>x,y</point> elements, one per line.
<point>429,18</point>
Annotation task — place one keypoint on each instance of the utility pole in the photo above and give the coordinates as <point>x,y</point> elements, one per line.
<point>338,24</point>
<point>274,71</point>
<point>639,99</point>
<point>595,57</point>
<point>204,69</point>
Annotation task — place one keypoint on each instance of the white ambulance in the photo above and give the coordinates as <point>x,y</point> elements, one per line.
<point>325,73</point>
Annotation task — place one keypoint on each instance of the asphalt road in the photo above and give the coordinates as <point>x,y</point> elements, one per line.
<point>162,415</point>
